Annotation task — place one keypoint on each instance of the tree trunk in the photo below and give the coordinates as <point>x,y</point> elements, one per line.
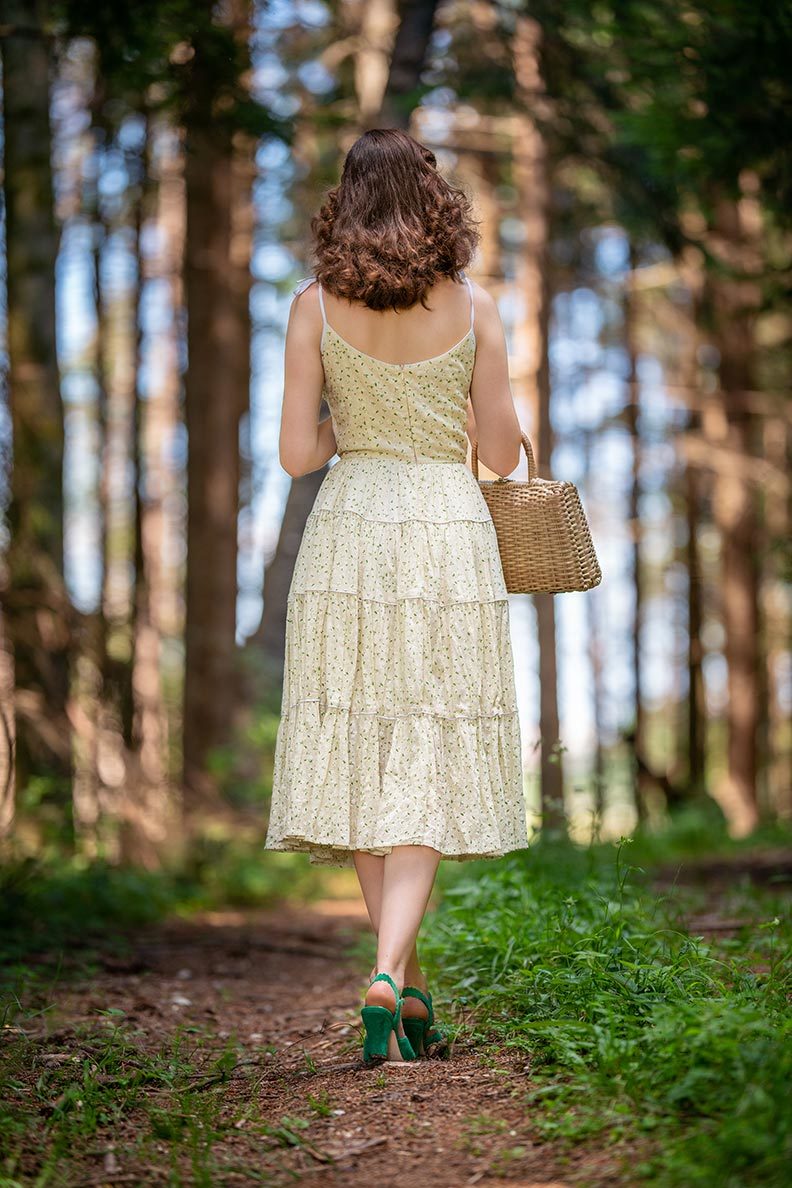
<point>777,449</point>
<point>595,647</point>
<point>271,631</point>
<point>377,23</point>
<point>216,397</point>
<point>690,770</point>
<point>531,180</point>
<point>146,808</point>
<point>696,707</point>
<point>734,302</point>
<point>632,414</point>
<point>36,606</point>
<point>416,22</point>
<point>7,799</point>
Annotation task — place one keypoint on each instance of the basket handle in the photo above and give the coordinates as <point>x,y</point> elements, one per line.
<point>526,444</point>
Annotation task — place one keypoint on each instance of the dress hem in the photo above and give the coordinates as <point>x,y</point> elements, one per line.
<point>327,854</point>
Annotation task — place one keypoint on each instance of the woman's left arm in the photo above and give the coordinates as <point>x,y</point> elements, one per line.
<point>305,443</point>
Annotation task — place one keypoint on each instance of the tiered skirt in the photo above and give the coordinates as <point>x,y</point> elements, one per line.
<point>399,721</point>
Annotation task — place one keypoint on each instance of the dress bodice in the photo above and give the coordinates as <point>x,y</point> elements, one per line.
<point>416,412</point>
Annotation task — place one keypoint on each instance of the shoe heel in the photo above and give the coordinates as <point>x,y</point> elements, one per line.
<point>378,1023</point>
<point>415,1030</point>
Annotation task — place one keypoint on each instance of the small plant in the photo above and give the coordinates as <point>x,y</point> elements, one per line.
<point>288,1132</point>
<point>477,1128</point>
<point>321,1104</point>
<point>309,1062</point>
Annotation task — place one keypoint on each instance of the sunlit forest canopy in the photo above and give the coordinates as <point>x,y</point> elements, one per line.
<point>630,165</point>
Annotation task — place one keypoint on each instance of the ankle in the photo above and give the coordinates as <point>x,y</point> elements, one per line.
<point>414,976</point>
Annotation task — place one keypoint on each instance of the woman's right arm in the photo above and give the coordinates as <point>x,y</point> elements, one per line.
<point>496,427</point>
<point>305,443</point>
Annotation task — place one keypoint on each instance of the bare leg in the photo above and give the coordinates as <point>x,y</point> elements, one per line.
<point>408,876</point>
<point>371,872</point>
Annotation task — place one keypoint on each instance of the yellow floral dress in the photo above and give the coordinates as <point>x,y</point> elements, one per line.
<point>399,720</point>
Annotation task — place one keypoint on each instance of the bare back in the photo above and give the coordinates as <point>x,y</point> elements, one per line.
<point>408,335</point>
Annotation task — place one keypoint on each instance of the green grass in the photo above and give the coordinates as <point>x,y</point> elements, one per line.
<point>102,1095</point>
<point>634,1030</point>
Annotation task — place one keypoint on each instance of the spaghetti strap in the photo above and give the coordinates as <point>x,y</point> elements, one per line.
<point>321,302</point>
<point>305,283</point>
<point>302,285</point>
<point>472,308</point>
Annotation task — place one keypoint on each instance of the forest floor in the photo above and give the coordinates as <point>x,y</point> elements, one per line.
<point>231,1055</point>
<point>223,1048</point>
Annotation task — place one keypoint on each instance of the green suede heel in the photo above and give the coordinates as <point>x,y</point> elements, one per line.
<point>425,1038</point>
<point>379,1022</point>
<point>414,1030</point>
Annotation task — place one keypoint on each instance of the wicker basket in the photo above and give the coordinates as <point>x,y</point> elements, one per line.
<point>543,535</point>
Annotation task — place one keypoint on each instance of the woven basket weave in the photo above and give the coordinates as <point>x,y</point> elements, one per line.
<point>543,535</point>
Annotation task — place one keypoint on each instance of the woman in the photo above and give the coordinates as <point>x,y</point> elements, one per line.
<point>399,741</point>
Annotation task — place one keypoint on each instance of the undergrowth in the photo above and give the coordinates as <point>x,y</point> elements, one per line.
<point>632,1026</point>
<point>58,904</point>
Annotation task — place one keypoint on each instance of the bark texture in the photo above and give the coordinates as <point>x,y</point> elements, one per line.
<point>35,604</point>
<point>216,285</point>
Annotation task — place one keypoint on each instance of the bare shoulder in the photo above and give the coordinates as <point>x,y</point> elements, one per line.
<point>487,314</point>
<point>482,297</point>
<point>305,312</point>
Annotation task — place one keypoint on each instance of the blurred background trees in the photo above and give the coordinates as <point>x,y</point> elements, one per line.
<point>632,170</point>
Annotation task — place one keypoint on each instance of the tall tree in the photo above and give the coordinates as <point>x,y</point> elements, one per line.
<point>410,48</point>
<point>632,414</point>
<point>532,179</point>
<point>216,283</point>
<point>35,603</point>
<point>734,302</point>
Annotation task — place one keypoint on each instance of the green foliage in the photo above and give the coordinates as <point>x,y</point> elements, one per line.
<point>240,873</point>
<point>47,904</point>
<point>51,904</point>
<point>632,1027</point>
<point>243,769</point>
<point>669,104</point>
<point>170,55</point>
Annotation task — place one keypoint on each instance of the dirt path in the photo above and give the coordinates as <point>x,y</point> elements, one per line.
<point>297,1105</point>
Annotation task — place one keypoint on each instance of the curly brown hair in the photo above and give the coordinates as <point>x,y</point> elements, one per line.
<point>393,226</point>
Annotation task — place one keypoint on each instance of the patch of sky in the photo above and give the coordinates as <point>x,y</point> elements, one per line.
<point>76,314</point>
<point>659,645</point>
<point>574,674</point>
<point>82,552</point>
<point>716,682</point>
<point>269,73</point>
<point>283,105</point>
<point>285,14</point>
<point>316,78</point>
<point>272,262</point>
<point>119,264</point>
<point>132,133</point>
<point>438,99</point>
<point>272,153</point>
<point>611,251</point>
